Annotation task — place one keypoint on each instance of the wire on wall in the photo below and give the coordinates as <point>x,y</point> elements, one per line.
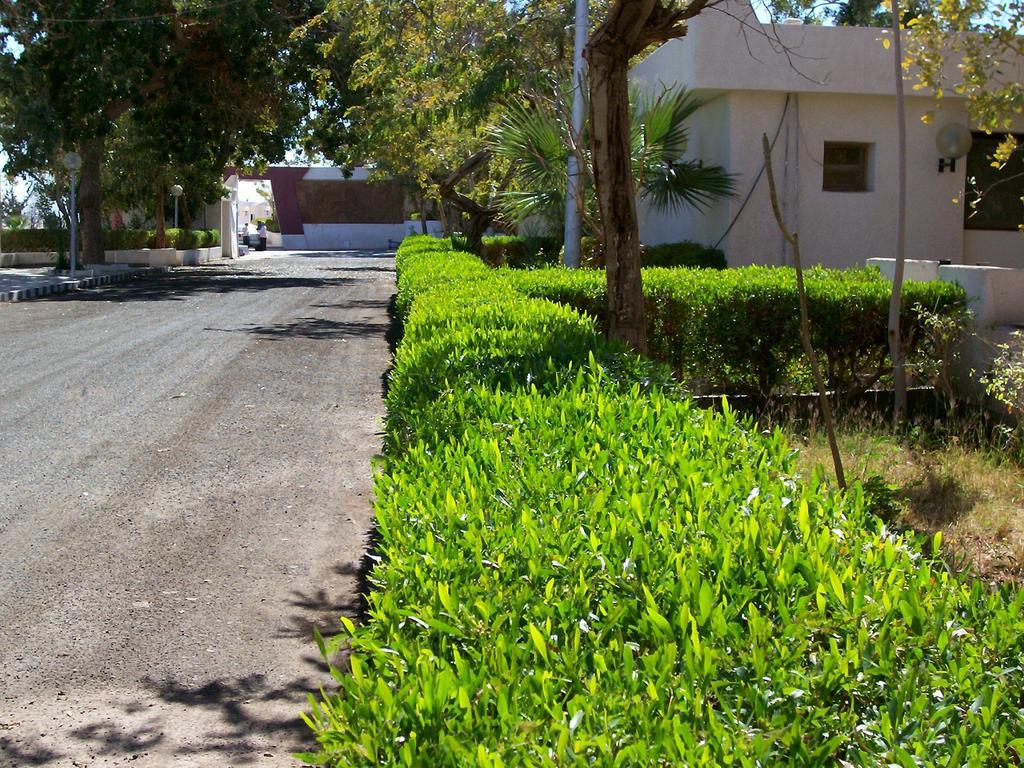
<point>760,173</point>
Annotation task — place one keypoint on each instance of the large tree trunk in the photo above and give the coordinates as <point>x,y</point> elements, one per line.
<point>629,27</point>
<point>476,224</point>
<point>90,202</point>
<point>613,178</point>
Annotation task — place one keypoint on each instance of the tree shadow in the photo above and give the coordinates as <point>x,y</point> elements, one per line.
<point>364,270</point>
<point>345,254</point>
<point>936,501</point>
<point>319,609</point>
<point>312,328</point>
<point>184,283</point>
<point>26,753</point>
<point>232,705</point>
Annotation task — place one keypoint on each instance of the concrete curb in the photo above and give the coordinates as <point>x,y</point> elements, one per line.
<point>50,289</point>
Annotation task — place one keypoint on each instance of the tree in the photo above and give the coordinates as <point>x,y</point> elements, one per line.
<point>896,351</point>
<point>431,77</point>
<point>629,27</point>
<point>73,70</point>
<point>533,140</point>
<point>983,39</point>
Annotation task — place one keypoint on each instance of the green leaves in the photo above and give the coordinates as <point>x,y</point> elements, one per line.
<point>734,331</point>
<point>577,571</point>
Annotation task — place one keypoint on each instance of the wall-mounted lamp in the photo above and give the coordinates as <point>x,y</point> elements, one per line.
<point>952,141</point>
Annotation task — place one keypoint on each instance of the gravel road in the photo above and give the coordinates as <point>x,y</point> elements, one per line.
<point>185,469</point>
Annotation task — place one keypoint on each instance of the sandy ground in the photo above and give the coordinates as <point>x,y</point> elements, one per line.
<point>185,468</point>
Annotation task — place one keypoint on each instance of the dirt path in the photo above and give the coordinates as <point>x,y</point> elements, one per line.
<point>185,474</point>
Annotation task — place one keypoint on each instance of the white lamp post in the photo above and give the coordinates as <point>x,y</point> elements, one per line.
<point>73,162</point>
<point>176,192</point>
<point>953,142</point>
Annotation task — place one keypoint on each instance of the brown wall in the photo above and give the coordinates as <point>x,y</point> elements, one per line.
<point>350,202</point>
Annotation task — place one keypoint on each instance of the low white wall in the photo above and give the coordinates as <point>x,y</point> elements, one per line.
<point>995,295</point>
<point>163,257</point>
<point>352,236</point>
<point>995,298</point>
<point>434,228</point>
<point>293,242</point>
<point>913,269</point>
<point>28,259</point>
<point>145,257</point>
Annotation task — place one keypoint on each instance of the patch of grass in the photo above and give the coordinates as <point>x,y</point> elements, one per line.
<point>972,495</point>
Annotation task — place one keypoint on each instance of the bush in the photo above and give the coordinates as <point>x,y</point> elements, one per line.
<point>684,254</point>
<point>35,240</point>
<point>521,252</point>
<point>125,239</point>
<point>187,239</point>
<point>735,331</point>
<point>580,570</point>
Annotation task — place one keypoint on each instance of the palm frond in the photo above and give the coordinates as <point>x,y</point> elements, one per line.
<point>670,186</point>
<point>535,140</point>
<point>661,123</point>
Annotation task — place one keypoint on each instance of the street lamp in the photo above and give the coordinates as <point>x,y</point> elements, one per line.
<point>73,162</point>
<point>176,192</point>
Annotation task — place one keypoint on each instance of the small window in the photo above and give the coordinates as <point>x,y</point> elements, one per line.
<point>1001,189</point>
<point>845,168</point>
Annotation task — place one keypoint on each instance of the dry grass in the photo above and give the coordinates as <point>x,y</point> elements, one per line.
<point>973,498</point>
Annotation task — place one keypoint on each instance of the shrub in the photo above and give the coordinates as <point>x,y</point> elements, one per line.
<point>684,254</point>
<point>187,239</point>
<point>735,330</point>
<point>521,252</point>
<point>581,571</point>
<point>125,239</point>
<point>35,240</point>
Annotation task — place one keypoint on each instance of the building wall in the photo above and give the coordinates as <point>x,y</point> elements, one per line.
<point>993,248</point>
<point>710,142</point>
<point>837,229</point>
<point>839,85</point>
<point>352,236</point>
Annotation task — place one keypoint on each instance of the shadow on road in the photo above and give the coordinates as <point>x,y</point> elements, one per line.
<point>312,328</point>
<point>26,753</point>
<point>184,283</point>
<point>233,724</point>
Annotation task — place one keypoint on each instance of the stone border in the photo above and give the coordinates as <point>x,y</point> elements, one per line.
<point>49,289</point>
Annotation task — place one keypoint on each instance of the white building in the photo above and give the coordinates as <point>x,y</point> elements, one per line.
<point>828,95</point>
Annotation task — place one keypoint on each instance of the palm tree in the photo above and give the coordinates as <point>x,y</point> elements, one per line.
<point>534,140</point>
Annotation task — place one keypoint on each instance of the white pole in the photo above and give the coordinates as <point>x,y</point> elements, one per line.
<point>74,234</point>
<point>572,215</point>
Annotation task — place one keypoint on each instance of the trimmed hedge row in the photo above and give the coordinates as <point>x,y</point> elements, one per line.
<point>34,240</point>
<point>37,240</point>
<point>683,254</point>
<point>576,570</point>
<point>736,331</point>
<point>520,252</point>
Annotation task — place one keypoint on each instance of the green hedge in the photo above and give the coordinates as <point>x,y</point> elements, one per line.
<point>521,252</point>
<point>188,239</point>
<point>735,331</point>
<point>684,254</point>
<point>35,240</point>
<point>126,239</point>
<point>582,571</point>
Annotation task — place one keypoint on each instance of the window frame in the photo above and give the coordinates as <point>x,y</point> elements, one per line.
<point>862,168</point>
